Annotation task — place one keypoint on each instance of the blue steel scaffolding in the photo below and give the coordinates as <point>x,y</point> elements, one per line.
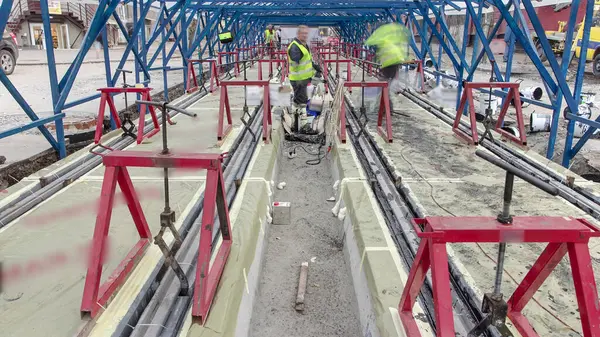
<point>352,21</point>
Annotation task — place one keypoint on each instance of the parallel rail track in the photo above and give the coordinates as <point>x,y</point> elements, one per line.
<point>399,209</point>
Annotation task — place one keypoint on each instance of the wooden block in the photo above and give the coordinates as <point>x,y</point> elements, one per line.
<point>302,286</point>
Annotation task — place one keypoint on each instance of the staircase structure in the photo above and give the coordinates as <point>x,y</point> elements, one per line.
<point>79,14</point>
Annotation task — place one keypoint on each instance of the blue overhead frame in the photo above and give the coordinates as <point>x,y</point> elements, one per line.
<point>352,21</point>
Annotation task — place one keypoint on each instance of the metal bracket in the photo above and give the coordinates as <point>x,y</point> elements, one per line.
<point>127,126</point>
<point>167,219</point>
<point>496,309</point>
<point>362,125</point>
<point>245,122</point>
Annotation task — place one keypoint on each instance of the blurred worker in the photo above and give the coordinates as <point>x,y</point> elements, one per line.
<point>391,43</point>
<point>301,65</point>
<point>278,38</point>
<point>270,40</point>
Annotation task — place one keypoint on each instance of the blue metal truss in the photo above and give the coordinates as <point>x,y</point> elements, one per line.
<point>351,20</point>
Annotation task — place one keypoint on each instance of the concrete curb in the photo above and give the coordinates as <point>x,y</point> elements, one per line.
<point>370,251</point>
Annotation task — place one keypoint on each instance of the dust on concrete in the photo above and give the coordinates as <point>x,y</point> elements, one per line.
<point>444,191</point>
<point>330,303</point>
<point>587,161</point>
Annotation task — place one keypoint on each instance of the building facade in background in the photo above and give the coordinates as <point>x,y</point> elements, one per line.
<point>69,22</point>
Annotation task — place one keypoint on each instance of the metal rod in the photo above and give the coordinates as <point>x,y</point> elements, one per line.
<point>519,173</point>
<point>499,269</point>
<point>508,189</point>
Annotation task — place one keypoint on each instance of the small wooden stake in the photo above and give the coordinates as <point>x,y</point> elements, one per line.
<point>302,286</point>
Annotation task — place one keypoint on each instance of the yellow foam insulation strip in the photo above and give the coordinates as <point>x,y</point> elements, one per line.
<point>233,216</point>
<point>388,319</point>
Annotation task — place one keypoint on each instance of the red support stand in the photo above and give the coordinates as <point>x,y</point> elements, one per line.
<point>384,110</point>
<point>245,52</point>
<point>96,296</point>
<point>106,97</point>
<point>280,55</point>
<point>337,70</point>
<point>420,73</point>
<point>562,235</point>
<point>467,98</point>
<point>214,77</point>
<point>370,57</point>
<point>327,55</point>
<point>224,108</point>
<point>284,65</point>
<point>229,53</point>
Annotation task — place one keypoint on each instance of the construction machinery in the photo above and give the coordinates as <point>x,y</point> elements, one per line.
<point>557,40</point>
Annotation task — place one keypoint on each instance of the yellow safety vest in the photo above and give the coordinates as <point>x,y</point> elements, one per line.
<point>391,41</point>
<point>303,70</point>
<point>268,36</point>
<point>390,54</point>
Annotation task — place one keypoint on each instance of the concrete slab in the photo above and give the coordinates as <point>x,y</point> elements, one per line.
<point>449,180</point>
<point>47,243</point>
<point>48,246</point>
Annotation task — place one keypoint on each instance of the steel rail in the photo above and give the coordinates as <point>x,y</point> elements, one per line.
<point>577,196</point>
<point>157,310</point>
<point>166,312</point>
<point>53,183</point>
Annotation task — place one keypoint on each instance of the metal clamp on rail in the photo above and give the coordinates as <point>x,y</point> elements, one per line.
<point>101,146</point>
<point>128,127</point>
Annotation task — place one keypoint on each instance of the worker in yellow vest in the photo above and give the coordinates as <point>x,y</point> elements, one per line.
<point>302,68</point>
<point>270,40</point>
<point>391,43</point>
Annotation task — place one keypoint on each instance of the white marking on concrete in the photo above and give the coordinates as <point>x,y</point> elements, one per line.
<point>378,249</point>
<point>246,279</point>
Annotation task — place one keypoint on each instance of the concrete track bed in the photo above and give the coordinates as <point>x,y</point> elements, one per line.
<point>447,178</point>
<point>44,249</point>
<point>314,236</point>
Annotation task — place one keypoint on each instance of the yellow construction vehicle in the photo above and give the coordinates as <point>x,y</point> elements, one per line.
<point>593,51</point>
<point>557,40</point>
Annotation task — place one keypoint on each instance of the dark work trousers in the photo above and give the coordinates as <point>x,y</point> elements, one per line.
<point>300,93</point>
<point>388,74</point>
